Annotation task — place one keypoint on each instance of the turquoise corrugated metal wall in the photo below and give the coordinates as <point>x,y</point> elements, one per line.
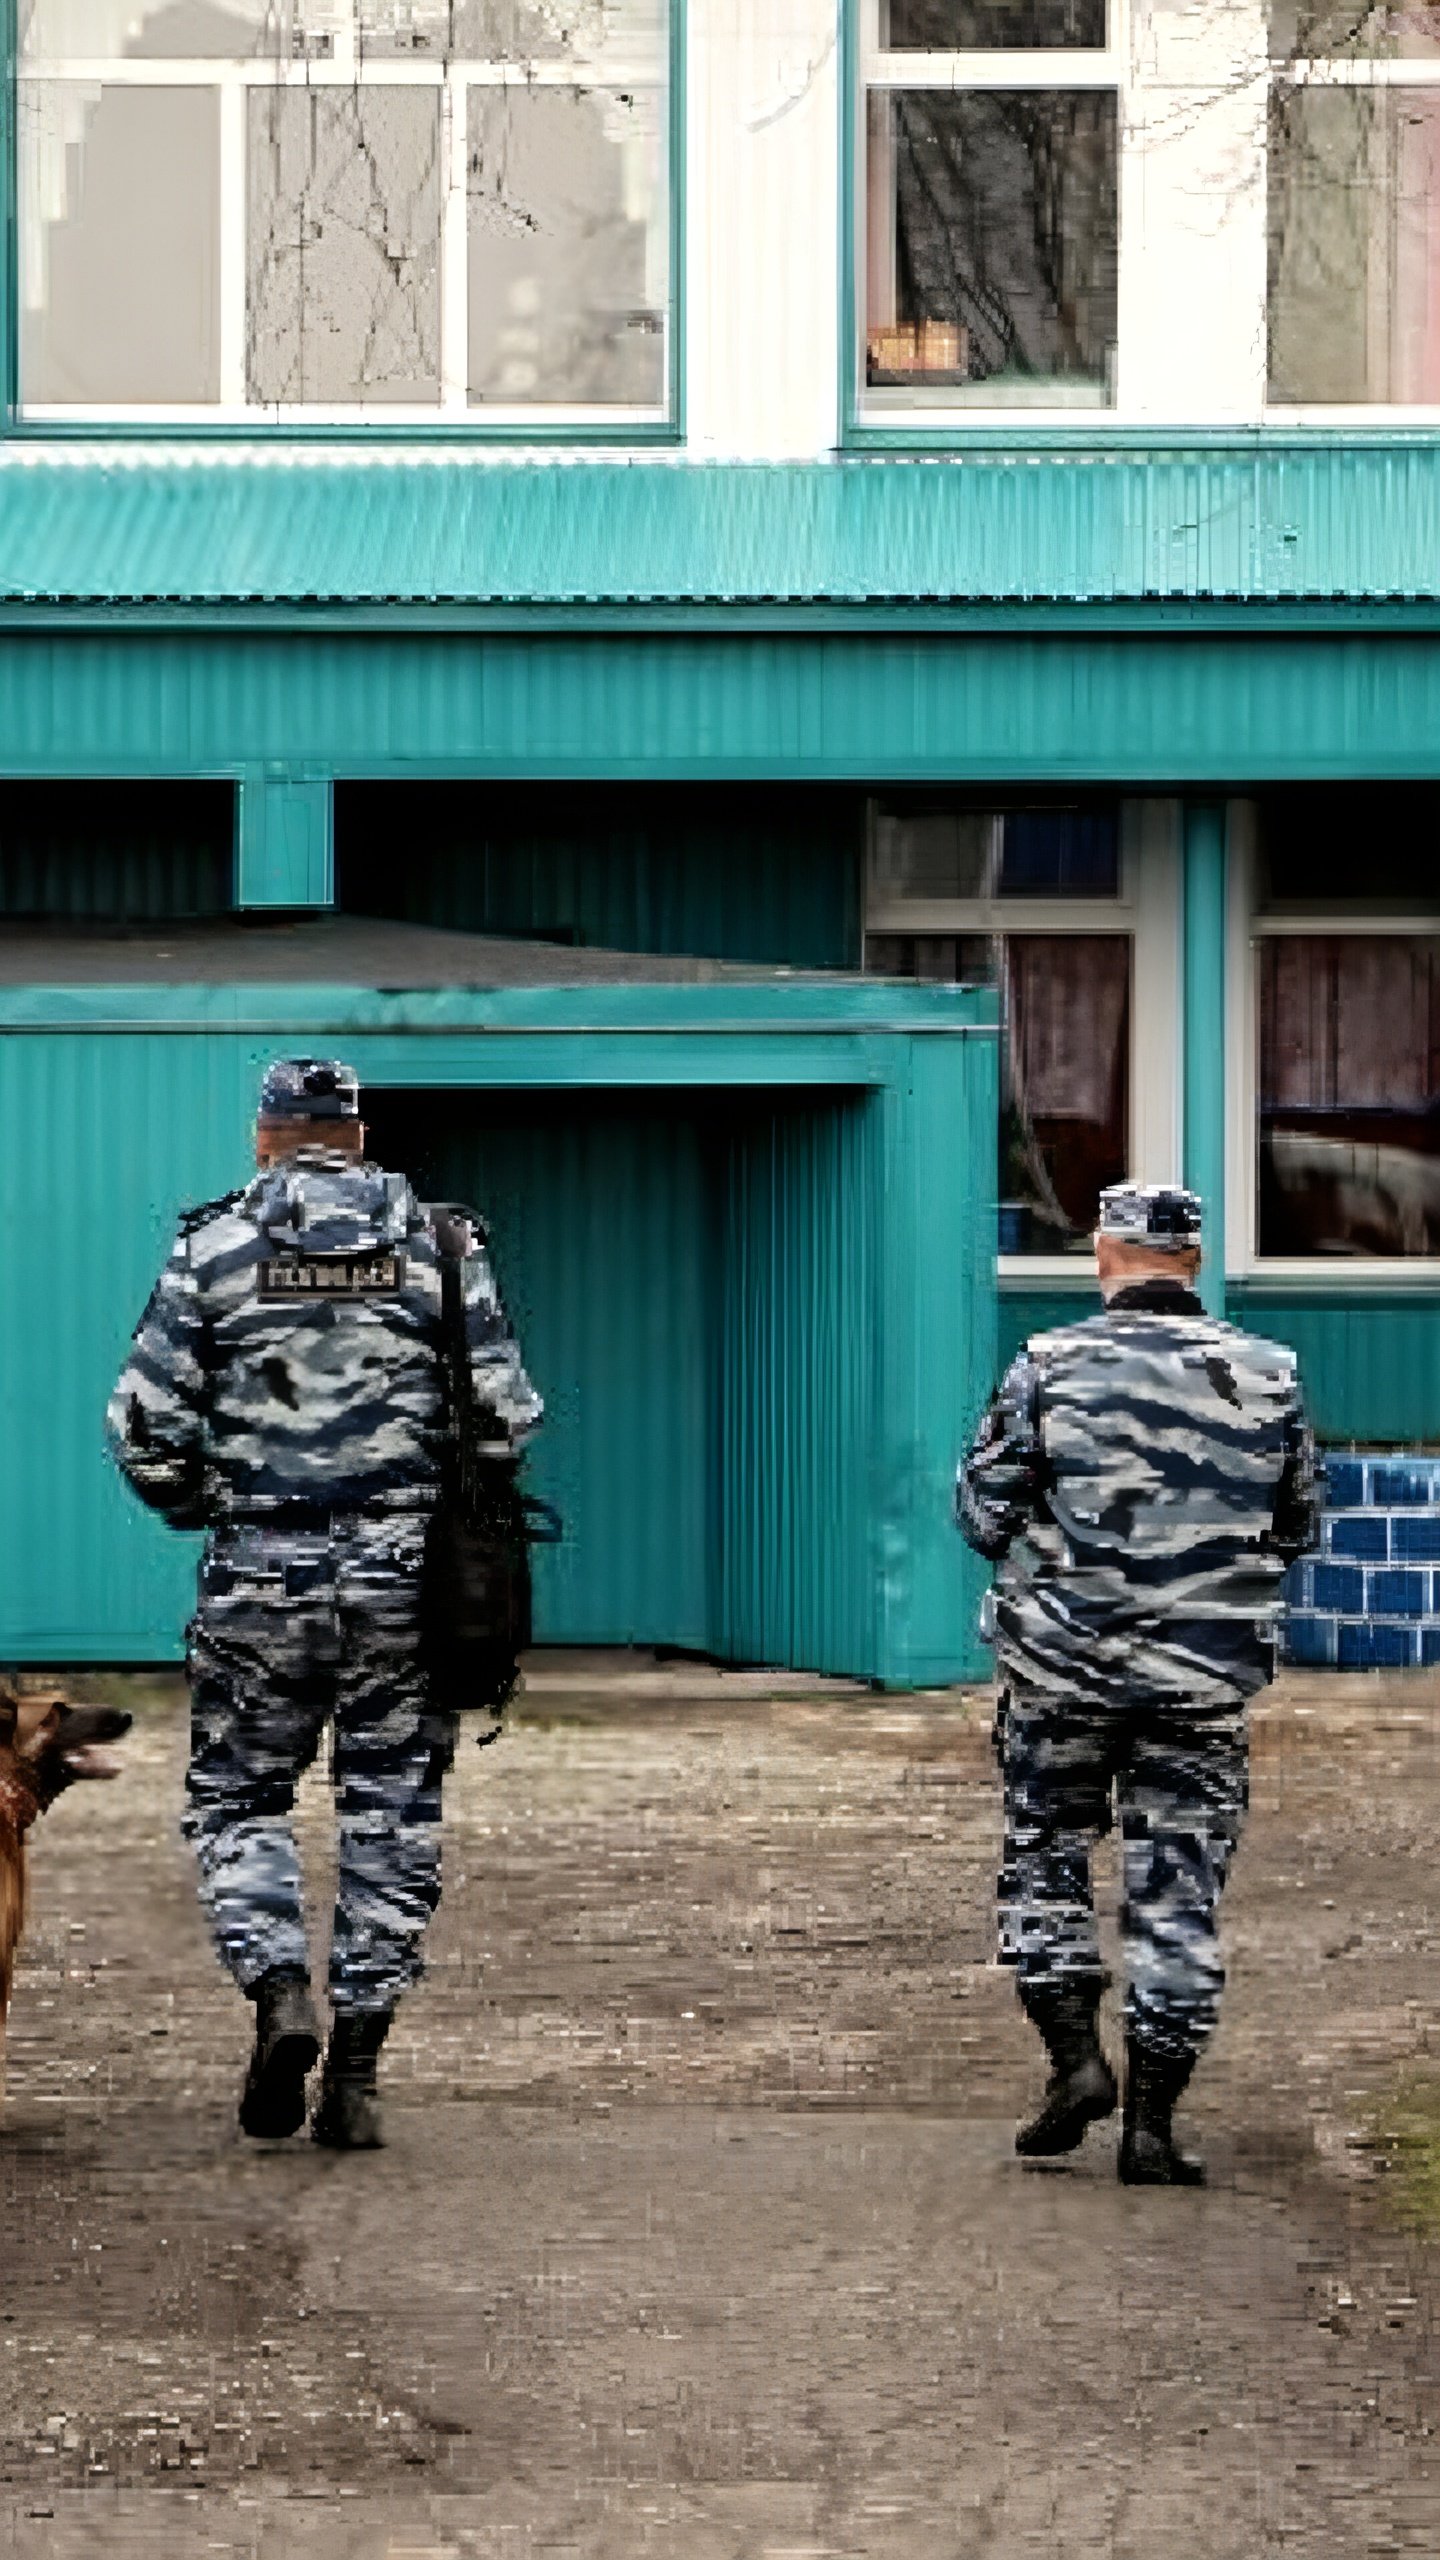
<point>599,1215</point>
<point>756,1391</point>
<point>1008,703</point>
<point>798,1388</point>
<point>116,849</point>
<point>1369,1362</point>
<point>106,1140</point>
<point>1027,1311</point>
<point>695,1288</point>
<point>735,874</point>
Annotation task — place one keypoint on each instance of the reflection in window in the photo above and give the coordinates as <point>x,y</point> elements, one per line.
<point>1354,223</point>
<point>1320,30</point>
<point>1065,1094</point>
<point>566,247</point>
<point>344,245</point>
<point>992,244</point>
<point>942,849</point>
<point>983,26</point>
<point>1349,1095</point>
<point>282,206</point>
<point>119,281</point>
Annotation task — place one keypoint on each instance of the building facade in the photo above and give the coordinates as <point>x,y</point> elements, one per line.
<point>898,486</point>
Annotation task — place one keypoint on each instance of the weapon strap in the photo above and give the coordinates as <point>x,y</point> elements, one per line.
<point>450,1245</point>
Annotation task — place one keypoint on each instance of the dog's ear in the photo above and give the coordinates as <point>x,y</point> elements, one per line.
<point>38,1721</point>
<point>9,1715</point>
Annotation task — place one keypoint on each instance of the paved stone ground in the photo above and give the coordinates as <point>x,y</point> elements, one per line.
<point>700,2232</point>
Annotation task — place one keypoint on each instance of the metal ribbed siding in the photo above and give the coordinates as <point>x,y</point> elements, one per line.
<point>116,849</point>
<point>1002,706</point>
<point>1370,1365</point>
<point>771,875</point>
<point>799,1390</point>
<point>695,1289</point>
<point>1269,522</point>
<point>106,1140</point>
<point>598,1219</point>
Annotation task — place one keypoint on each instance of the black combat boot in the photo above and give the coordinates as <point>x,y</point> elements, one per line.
<point>1149,2156</point>
<point>287,2045</point>
<point>348,2116</point>
<point>1082,2084</point>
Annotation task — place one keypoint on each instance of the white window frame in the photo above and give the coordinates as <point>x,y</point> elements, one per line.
<point>1150,909</point>
<point>348,68</point>
<point>1195,86</point>
<point>1379,72</point>
<point>1246,929</point>
<point>1062,67</point>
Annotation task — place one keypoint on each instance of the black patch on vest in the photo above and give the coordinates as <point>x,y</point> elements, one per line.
<point>1222,1378</point>
<point>304,1278</point>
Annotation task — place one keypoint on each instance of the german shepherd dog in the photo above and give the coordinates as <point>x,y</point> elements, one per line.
<point>45,1744</point>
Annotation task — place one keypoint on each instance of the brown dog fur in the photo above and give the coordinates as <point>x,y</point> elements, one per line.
<point>45,1744</point>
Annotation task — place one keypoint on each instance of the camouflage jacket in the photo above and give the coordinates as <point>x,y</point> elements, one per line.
<point>290,1352</point>
<point>1142,1480</point>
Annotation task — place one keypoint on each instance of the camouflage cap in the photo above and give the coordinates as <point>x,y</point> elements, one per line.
<point>310,1089</point>
<point>1153,1214</point>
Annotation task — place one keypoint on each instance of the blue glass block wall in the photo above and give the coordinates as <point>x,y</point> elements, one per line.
<point>1370,1600</point>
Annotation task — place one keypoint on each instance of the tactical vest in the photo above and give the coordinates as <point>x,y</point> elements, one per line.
<point>1164,1440</point>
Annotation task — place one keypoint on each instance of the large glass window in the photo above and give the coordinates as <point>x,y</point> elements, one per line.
<point>330,208</point>
<point>991,205</point>
<point>1354,203</point>
<point>1030,900</point>
<point>1349,1095</point>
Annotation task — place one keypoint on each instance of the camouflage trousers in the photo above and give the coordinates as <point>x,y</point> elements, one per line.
<point>295,1631</point>
<point>1178,1774</point>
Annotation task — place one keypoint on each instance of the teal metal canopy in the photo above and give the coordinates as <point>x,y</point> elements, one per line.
<point>1251,520</point>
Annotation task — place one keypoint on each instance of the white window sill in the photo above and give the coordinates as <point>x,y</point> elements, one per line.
<point>1325,1274</point>
<point>1045,1270</point>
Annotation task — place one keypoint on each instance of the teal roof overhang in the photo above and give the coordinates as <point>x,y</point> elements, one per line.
<point>1235,521</point>
<point>1165,615</point>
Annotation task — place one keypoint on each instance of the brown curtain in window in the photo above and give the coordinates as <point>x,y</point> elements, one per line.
<point>1349,1023</point>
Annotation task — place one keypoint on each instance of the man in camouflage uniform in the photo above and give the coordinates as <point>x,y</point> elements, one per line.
<point>285,1390</point>
<point>1141,1479</point>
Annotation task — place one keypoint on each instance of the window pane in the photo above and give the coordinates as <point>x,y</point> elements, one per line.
<point>1354,215</point>
<point>120,244</point>
<point>940,850</point>
<point>628,33</point>
<point>1061,853</point>
<point>568,247</point>
<point>340,189</point>
<point>1065,1078</point>
<point>938,959</point>
<point>991,245</point>
<point>343,253</point>
<point>1065,1105</point>
<point>1327,30</point>
<point>159,30</point>
<point>933,853</point>
<point>976,26</point>
<point>1349,1104</point>
<point>1358,844</point>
